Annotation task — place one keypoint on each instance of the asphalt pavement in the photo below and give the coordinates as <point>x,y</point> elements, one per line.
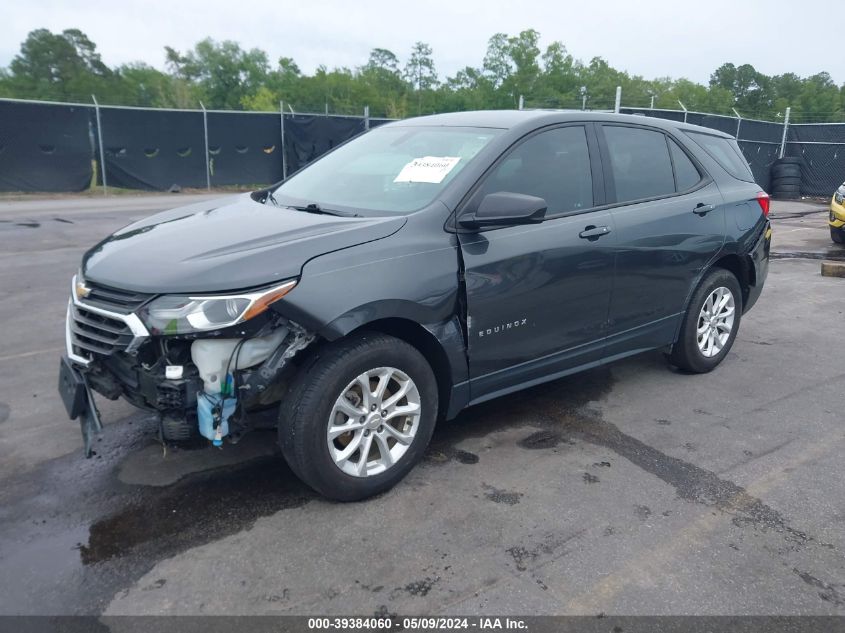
<point>630,489</point>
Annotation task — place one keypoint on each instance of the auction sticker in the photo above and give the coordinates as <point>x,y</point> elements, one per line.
<point>427,169</point>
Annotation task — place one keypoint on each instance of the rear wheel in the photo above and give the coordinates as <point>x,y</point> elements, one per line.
<point>359,417</point>
<point>711,323</point>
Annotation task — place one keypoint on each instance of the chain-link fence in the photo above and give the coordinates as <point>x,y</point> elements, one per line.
<point>55,147</point>
<point>822,148</point>
<point>47,146</point>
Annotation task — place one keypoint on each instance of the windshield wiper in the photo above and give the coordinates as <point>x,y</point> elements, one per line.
<point>313,207</point>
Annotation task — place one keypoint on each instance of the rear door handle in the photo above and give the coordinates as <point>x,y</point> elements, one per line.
<point>703,209</point>
<point>593,233</point>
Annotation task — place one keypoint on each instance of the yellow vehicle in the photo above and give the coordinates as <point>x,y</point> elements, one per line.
<point>837,215</point>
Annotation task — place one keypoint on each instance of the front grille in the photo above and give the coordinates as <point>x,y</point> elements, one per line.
<point>114,300</point>
<point>93,332</point>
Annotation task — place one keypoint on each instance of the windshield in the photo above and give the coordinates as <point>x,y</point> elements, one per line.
<point>392,169</point>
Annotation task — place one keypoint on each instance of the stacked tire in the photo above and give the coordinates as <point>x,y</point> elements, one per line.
<point>786,178</point>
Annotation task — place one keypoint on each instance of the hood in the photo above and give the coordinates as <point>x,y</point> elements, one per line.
<point>225,244</point>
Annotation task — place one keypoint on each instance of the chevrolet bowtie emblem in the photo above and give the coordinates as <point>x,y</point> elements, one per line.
<point>82,290</point>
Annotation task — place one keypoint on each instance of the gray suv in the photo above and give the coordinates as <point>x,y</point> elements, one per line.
<point>423,267</point>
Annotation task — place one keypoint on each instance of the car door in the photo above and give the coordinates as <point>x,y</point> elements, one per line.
<point>538,295</point>
<point>669,222</point>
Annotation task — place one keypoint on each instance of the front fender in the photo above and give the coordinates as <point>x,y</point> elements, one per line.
<point>411,276</point>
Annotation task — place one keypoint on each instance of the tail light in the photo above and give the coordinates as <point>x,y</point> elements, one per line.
<point>764,200</point>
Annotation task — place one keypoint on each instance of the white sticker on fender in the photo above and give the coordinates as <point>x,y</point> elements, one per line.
<point>427,169</point>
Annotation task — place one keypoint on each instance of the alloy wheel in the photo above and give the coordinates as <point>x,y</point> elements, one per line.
<point>373,422</point>
<point>715,322</point>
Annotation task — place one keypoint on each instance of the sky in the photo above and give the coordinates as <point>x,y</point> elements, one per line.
<point>652,38</point>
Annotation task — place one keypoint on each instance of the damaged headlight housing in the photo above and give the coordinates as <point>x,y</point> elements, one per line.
<point>181,314</point>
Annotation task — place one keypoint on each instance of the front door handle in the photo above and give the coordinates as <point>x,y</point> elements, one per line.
<point>593,233</point>
<point>703,209</point>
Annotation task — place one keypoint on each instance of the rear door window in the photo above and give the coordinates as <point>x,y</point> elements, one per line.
<point>726,152</point>
<point>639,162</point>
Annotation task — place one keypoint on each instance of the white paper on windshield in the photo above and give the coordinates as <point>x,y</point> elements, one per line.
<point>427,169</point>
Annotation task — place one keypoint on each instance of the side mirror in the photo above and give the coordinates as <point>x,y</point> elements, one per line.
<point>504,208</point>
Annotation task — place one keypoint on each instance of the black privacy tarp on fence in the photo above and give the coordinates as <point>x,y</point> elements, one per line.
<point>244,148</point>
<point>822,146</point>
<point>308,137</point>
<point>153,149</point>
<point>761,131</point>
<point>51,146</point>
<point>44,147</point>
<point>760,157</point>
<point>671,115</point>
<point>760,143</point>
<point>713,121</point>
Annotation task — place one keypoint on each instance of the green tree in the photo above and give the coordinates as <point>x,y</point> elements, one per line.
<point>511,67</point>
<point>751,90</point>
<point>144,85</point>
<point>497,66</point>
<point>819,100</point>
<point>66,66</point>
<point>469,89</point>
<point>62,66</point>
<point>385,90</point>
<point>382,62</point>
<point>420,72</point>
<point>558,84</point>
<point>223,71</point>
<point>523,52</point>
<point>283,83</point>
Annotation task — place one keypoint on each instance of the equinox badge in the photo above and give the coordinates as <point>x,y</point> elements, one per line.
<point>501,328</point>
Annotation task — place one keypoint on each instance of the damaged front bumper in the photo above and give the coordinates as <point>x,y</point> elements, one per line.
<point>79,402</point>
<point>111,352</point>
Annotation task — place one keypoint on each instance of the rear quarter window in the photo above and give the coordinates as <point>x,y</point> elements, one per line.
<point>726,152</point>
<point>686,174</point>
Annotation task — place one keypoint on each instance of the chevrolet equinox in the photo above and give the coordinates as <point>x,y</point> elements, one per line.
<point>420,268</point>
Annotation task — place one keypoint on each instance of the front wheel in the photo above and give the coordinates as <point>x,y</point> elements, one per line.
<point>710,324</point>
<point>837,235</point>
<point>359,417</point>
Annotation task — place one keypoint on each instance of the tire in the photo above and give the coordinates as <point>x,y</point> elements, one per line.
<point>837,235</point>
<point>311,408</point>
<point>786,171</point>
<point>790,160</point>
<point>687,354</point>
<point>787,188</point>
<point>786,181</point>
<point>789,192</point>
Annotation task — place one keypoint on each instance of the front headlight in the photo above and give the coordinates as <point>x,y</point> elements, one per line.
<point>179,314</point>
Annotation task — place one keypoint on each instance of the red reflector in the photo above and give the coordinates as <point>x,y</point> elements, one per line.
<point>763,200</point>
